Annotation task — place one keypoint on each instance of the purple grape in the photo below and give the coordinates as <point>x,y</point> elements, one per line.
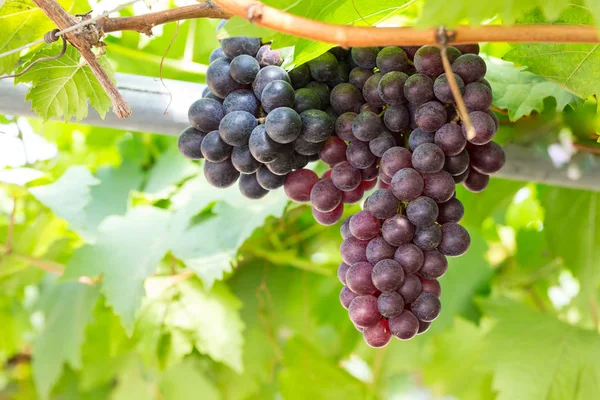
<point>384,178</point>
<point>477,96</point>
<point>345,228</point>
<point>345,177</point>
<point>422,211</point>
<point>378,249</point>
<point>434,266</point>
<point>395,159</point>
<point>364,226</point>
<point>461,178</point>
<point>306,99</point>
<point>418,137</point>
<point>369,173</point>
<point>353,196</point>
<point>345,97</point>
<point>391,87</point>
<point>359,155</point>
<point>484,126</point>
<point>430,116</point>
<point>250,188</point>
<point>428,237</point>
<point>382,143</point>
<point>353,250</point>
<point>426,307</point>
<point>396,118</point>
<point>387,275</point>
<point>431,286</point>
<point>391,58</point>
<point>458,164</point>
<point>397,230</point>
<point>494,117</point>
<point>299,184</point>
<point>324,196</point>
<point>269,180</point>
<point>206,114</point>
<point>323,91</point>
<point>243,69</point>
<point>410,257</point>
<point>238,45</point>
<point>219,80</point>
<point>378,335</point>
<point>324,67</point>
<point>277,94</point>
<point>358,77</point>
<point>390,304</point>
<point>450,139</point>
<point>442,91</point>
<point>407,184</point>
<point>267,75</point>
<point>214,148</point>
<point>469,67</point>
<point>487,158</point>
<point>316,126</point>
<point>266,56</point>
<point>221,174</point>
<point>449,211</point>
<point>358,278</point>
<point>428,158</point>
<point>370,91</point>
<point>262,147</point>
<point>366,126</point>
<point>346,297</point>
<point>381,204</point>
<point>405,326</point>
<point>476,181</point>
<point>455,240</point>
<point>333,151</point>
<point>410,289</point>
<point>365,57</point>
<point>438,186</point>
<point>428,61</point>
<point>305,148</point>
<point>343,126</point>
<point>241,100</point>
<point>243,161</point>
<point>468,48</point>
<point>190,143</point>
<point>363,311</point>
<point>418,89</point>
<point>330,217</point>
<point>423,326</point>
<point>300,76</point>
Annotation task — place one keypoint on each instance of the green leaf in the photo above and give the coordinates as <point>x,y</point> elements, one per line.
<point>132,383</point>
<point>186,381</point>
<point>520,92</point>
<point>232,221</point>
<point>535,356</point>
<point>69,195</point>
<point>170,169</point>
<point>127,250</point>
<point>67,308</point>
<point>62,88</point>
<point>574,214</point>
<point>572,66</point>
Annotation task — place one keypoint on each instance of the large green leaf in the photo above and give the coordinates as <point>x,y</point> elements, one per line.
<point>535,356</point>
<point>186,381</point>
<point>521,92</point>
<point>62,88</point>
<point>573,66</point>
<point>67,308</point>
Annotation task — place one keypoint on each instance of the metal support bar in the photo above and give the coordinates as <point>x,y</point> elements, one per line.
<point>149,99</point>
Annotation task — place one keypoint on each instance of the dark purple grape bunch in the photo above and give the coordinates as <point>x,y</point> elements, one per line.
<point>256,122</point>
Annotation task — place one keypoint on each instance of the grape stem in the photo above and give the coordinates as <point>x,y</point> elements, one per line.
<point>354,36</point>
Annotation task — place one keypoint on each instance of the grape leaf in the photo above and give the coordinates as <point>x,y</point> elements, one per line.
<point>521,92</point>
<point>186,381</point>
<point>133,383</point>
<point>128,249</point>
<point>572,66</point>
<point>535,356</point>
<point>69,195</point>
<point>62,88</point>
<point>170,169</point>
<point>67,308</point>
<point>575,213</point>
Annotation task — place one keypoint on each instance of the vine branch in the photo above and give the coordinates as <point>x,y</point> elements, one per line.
<point>354,36</point>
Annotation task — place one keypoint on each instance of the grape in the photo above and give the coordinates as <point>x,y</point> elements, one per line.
<point>235,46</point>
<point>366,126</point>
<point>418,137</point>
<point>359,155</point>
<point>353,196</point>
<point>241,100</point>
<point>428,237</point>
<point>345,177</point>
<point>283,165</point>
<point>333,151</point>
<point>438,186</point>
<point>410,51</point>
<point>428,61</point>
<point>305,148</point>
<point>378,249</point>
<point>382,204</point>
<point>365,57</point>
<point>316,126</point>
<point>396,118</point>
<point>342,75</point>
<point>428,158</point>
<point>477,96</point>
<point>262,147</point>
<point>390,304</point>
<point>299,184</point>
<point>384,178</point>
<point>343,126</point>
<point>431,286</point>
<point>442,91</point>
<point>450,211</point>
<point>461,178</point>
<point>426,307</point>
<point>312,157</point>
<point>418,89</point>
<point>455,240</point>
<point>216,53</point>
<point>219,80</point>
<point>250,187</point>
<point>484,125</point>
<point>269,180</point>
<point>299,161</point>
<point>407,184</point>
<point>469,67</point>
<point>422,211</point>
<point>283,125</point>
<point>494,118</point>
<point>345,97</point>
<point>397,230</point>
<point>391,87</point>
<point>450,139</point>
<point>266,56</point>
<point>488,158</point>
<point>434,265</point>
<point>430,116</point>
<point>243,161</point>
<point>358,278</point>
<point>206,114</point>
<point>370,91</point>
<point>277,94</point>
<point>190,142</point>
<point>363,311</point>
<point>368,185</point>
<point>322,90</point>
<point>326,174</point>
<point>345,229</point>
<point>332,114</point>
<point>364,226</point>
<point>387,276</point>
<point>324,196</point>
<point>458,164</point>
<point>475,181</point>
<point>378,335</point>
<point>369,173</point>
<point>324,67</point>
<point>452,115</point>
<point>306,99</point>
<point>236,127</point>
<point>300,76</point>
<point>391,58</point>
<point>341,272</point>
<point>394,160</point>
<point>382,143</point>
<point>243,69</point>
<point>358,76</point>
<point>423,326</point>
<point>353,250</point>
<point>346,297</point>
<point>267,75</point>
<point>328,218</point>
<point>221,174</point>
<point>214,148</point>
<point>468,48</point>
<point>409,256</point>
<point>405,326</point>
